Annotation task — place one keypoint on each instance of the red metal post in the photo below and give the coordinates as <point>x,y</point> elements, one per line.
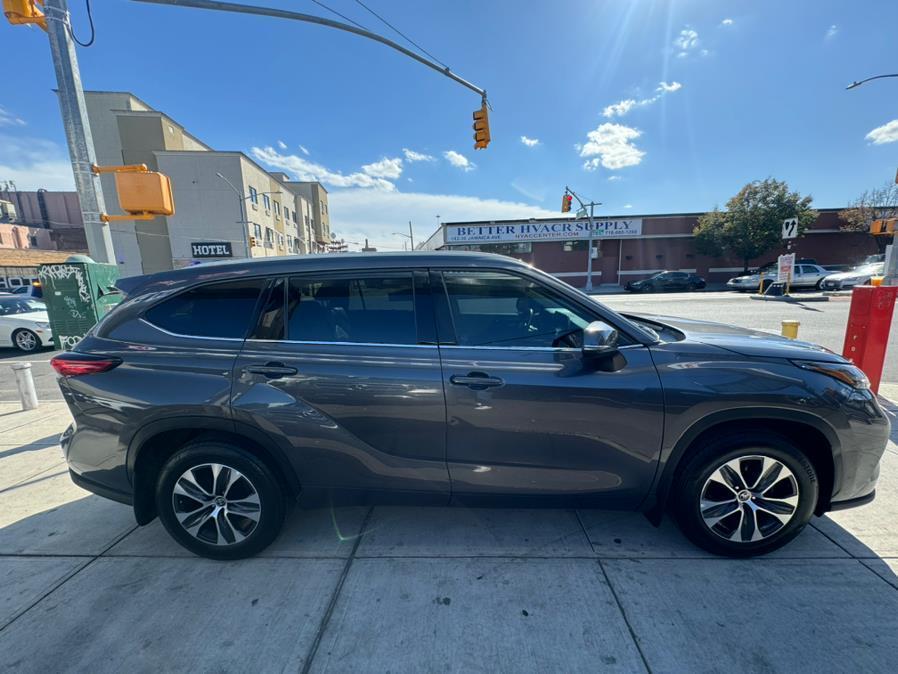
<point>867,333</point>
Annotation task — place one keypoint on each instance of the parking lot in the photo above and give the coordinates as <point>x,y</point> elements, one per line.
<point>405,589</point>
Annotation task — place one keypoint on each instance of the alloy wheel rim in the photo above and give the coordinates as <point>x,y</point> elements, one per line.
<point>216,504</point>
<point>749,498</point>
<point>25,340</point>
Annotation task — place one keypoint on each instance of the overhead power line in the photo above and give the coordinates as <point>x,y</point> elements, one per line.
<point>401,34</point>
<point>342,16</point>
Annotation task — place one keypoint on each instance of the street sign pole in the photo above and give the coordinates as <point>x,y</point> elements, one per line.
<point>77,131</point>
<point>589,248</point>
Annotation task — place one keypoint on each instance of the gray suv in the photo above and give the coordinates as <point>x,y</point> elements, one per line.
<point>216,396</point>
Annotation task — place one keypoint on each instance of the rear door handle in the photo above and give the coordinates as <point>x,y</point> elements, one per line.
<point>272,370</point>
<point>476,380</point>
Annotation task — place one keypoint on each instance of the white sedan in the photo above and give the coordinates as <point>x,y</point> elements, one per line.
<point>804,276</point>
<point>24,323</point>
<point>854,277</point>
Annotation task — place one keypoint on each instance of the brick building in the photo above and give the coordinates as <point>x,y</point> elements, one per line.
<point>628,248</point>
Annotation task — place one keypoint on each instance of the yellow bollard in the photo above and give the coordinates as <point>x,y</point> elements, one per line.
<point>790,329</point>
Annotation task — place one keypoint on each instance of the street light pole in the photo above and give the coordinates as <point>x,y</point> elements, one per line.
<point>591,205</point>
<point>411,234</point>
<point>244,225</point>
<point>875,77</point>
<point>77,131</point>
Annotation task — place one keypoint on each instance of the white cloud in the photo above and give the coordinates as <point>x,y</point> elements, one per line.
<point>628,206</point>
<point>831,32</point>
<point>686,41</point>
<point>887,133</point>
<point>704,52</point>
<point>411,155</point>
<point>304,150</point>
<point>458,160</point>
<point>9,119</point>
<point>619,109</point>
<point>282,145</point>
<point>530,194</point>
<point>385,168</point>
<point>727,22</point>
<point>303,169</point>
<point>357,214</point>
<point>530,142</point>
<point>668,87</point>
<point>613,179</point>
<point>34,163</point>
<point>611,145</point>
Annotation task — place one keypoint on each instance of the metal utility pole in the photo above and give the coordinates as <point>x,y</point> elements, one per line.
<point>244,224</point>
<point>77,131</point>
<point>411,234</point>
<point>583,206</point>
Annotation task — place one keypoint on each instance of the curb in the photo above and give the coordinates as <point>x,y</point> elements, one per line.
<point>792,299</point>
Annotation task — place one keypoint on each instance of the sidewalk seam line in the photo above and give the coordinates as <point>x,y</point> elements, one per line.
<point>335,595</point>
<point>620,607</point>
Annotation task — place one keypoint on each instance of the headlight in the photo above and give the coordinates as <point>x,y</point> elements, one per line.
<point>844,372</point>
<point>43,326</point>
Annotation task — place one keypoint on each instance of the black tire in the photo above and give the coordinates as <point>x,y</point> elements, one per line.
<point>258,479</point>
<point>694,478</point>
<point>26,341</point>
<point>819,285</point>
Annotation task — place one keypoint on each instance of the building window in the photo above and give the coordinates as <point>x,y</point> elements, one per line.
<point>571,246</point>
<point>32,239</point>
<point>280,239</point>
<point>277,208</point>
<point>253,195</point>
<point>257,231</point>
<point>267,202</point>
<point>269,237</point>
<point>286,213</point>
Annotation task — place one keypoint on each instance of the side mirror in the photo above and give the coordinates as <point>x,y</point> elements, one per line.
<point>599,338</point>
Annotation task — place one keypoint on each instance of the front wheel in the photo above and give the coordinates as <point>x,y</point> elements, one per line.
<point>25,340</point>
<point>219,501</point>
<point>745,495</point>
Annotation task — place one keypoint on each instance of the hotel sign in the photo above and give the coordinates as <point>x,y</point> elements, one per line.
<point>562,230</point>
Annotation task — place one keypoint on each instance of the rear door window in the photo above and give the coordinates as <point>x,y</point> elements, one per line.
<point>368,309</point>
<point>216,310</point>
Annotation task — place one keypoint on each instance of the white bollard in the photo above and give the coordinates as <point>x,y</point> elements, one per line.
<point>25,384</point>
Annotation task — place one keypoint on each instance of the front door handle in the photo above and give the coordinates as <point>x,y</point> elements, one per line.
<point>476,380</point>
<point>272,370</point>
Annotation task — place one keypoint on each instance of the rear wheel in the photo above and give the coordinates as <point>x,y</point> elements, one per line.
<point>219,502</point>
<point>25,340</point>
<point>745,495</point>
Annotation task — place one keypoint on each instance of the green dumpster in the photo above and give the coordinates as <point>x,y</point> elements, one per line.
<point>78,293</point>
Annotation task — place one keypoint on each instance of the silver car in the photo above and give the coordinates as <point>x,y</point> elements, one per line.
<point>805,276</point>
<point>858,276</point>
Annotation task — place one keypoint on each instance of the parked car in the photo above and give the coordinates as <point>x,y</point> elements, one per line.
<point>856,277</point>
<point>804,276</point>
<point>214,396</point>
<point>666,281</point>
<point>24,323</point>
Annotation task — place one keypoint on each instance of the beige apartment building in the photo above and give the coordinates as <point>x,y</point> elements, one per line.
<point>224,201</point>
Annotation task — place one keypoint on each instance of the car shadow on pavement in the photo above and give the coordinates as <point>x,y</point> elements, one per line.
<point>37,445</point>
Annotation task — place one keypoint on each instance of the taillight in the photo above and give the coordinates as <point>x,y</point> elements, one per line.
<point>72,364</point>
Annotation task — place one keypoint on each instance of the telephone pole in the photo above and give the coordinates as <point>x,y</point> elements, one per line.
<point>77,131</point>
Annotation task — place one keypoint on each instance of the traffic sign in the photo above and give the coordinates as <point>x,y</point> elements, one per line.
<point>790,228</point>
<point>785,265</point>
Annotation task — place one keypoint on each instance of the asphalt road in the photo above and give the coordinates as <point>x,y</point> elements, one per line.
<point>821,322</point>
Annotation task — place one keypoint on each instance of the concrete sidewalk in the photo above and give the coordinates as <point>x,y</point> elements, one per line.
<point>428,589</point>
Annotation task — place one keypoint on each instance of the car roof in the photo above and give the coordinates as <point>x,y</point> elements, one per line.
<point>293,264</point>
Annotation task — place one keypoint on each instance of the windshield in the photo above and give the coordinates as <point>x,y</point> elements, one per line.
<point>25,305</point>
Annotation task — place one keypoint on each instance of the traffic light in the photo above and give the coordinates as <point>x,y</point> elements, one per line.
<point>20,12</point>
<point>481,128</point>
<point>252,242</point>
<point>142,194</point>
<point>884,227</point>
<point>566,203</point>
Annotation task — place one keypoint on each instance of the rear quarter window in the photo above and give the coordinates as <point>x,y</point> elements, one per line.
<point>217,310</point>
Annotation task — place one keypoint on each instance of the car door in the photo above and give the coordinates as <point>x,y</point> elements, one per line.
<point>528,414</point>
<point>344,370</point>
<point>678,280</point>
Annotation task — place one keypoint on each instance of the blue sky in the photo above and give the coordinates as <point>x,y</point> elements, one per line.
<point>647,106</point>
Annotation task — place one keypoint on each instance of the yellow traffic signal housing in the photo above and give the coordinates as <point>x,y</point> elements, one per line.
<point>252,242</point>
<point>885,227</point>
<point>142,194</point>
<point>566,203</point>
<point>21,12</point>
<point>481,128</point>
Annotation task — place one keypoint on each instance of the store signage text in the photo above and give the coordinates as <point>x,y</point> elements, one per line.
<point>544,231</point>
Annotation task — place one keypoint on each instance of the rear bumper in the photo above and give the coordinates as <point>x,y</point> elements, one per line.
<point>101,489</point>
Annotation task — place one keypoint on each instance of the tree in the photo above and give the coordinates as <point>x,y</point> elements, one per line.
<point>752,223</point>
<point>875,204</point>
